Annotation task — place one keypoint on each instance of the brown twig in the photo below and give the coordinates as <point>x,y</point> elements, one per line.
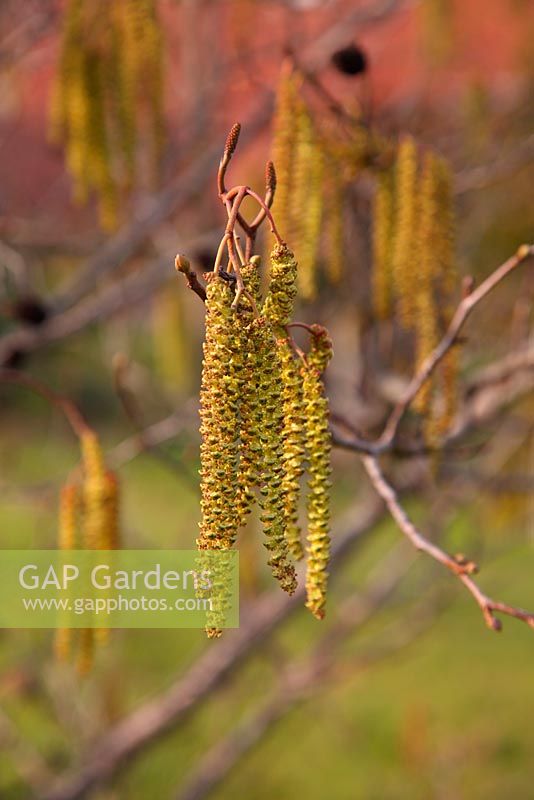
<point>67,407</point>
<point>182,265</point>
<point>464,309</point>
<point>460,567</point>
<point>250,228</point>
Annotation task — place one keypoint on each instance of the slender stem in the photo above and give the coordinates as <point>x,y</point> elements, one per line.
<point>463,311</point>
<point>67,407</point>
<point>458,566</point>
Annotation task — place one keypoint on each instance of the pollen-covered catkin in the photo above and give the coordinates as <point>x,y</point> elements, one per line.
<point>271,497</point>
<point>284,135</point>
<point>335,225</point>
<point>293,444</point>
<point>250,454</point>
<point>278,305</point>
<point>405,258</point>
<point>307,202</point>
<point>219,413</point>
<point>318,447</point>
<point>428,268</point>
<point>110,69</point>
<point>69,508</point>
<point>95,517</point>
<point>383,245</point>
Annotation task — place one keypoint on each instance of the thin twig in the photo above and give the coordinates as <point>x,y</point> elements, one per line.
<point>464,309</point>
<point>67,407</point>
<point>460,567</point>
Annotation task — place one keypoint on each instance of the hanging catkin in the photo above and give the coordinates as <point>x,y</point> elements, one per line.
<point>293,444</point>
<point>284,134</point>
<point>109,76</point>
<point>69,508</point>
<point>383,210</point>
<point>250,454</point>
<point>335,225</point>
<point>278,309</point>
<point>278,305</point>
<point>405,257</point>
<point>448,284</point>
<point>219,398</point>
<point>427,273</point>
<point>307,201</point>
<point>96,488</point>
<point>170,346</point>
<point>318,446</point>
<point>271,497</point>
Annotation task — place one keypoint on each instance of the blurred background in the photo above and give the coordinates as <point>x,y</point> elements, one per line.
<point>113,117</point>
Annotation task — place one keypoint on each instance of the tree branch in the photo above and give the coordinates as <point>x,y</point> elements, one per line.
<point>463,311</point>
<point>458,566</point>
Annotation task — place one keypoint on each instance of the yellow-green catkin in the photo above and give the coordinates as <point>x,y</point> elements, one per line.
<point>293,444</point>
<point>405,256</point>
<point>219,413</point>
<point>427,274</point>
<point>69,508</point>
<point>171,350</point>
<point>280,299</point>
<point>318,448</point>
<point>383,230</point>
<point>95,493</point>
<point>250,454</point>
<point>272,421</point>
<point>278,310</point>
<point>447,287</point>
<point>446,233</point>
<point>307,201</point>
<point>284,136</point>
<point>109,79</point>
<point>437,29</point>
<point>334,223</point>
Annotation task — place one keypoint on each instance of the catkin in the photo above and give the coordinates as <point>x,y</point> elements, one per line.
<point>428,268</point>
<point>445,233</point>
<point>95,494</point>
<point>69,508</point>
<point>284,135</point>
<point>110,71</point>
<point>271,497</point>
<point>278,305</point>
<point>250,454</point>
<point>170,345</point>
<point>293,444</point>
<point>318,447</point>
<point>382,245</point>
<point>307,201</point>
<point>335,227</point>
<point>219,398</point>
<point>405,257</point>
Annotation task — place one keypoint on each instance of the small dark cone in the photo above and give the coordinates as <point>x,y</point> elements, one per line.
<point>350,60</point>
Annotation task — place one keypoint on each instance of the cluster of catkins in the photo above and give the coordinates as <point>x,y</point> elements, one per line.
<point>88,519</point>
<point>310,187</point>
<point>110,68</point>
<point>414,271</point>
<point>264,421</point>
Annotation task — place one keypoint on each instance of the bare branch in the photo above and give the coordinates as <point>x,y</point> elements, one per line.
<point>458,566</point>
<point>463,311</point>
